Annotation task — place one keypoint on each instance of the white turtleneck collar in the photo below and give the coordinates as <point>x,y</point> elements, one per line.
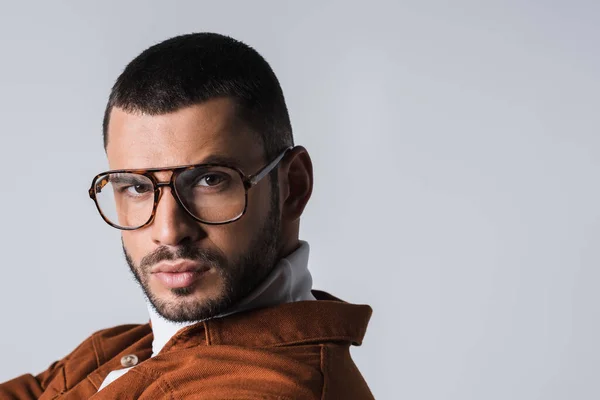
<point>289,281</point>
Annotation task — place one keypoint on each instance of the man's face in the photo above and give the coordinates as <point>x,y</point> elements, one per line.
<point>223,263</point>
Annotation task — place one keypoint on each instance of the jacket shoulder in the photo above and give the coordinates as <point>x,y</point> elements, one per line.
<point>109,342</point>
<point>102,343</point>
<point>342,378</point>
<point>75,366</point>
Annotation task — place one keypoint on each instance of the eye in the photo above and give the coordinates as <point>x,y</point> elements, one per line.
<point>138,189</point>
<point>212,179</point>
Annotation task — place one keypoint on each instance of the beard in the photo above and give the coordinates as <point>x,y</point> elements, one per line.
<point>239,276</point>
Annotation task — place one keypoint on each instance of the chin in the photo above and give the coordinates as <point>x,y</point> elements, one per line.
<point>190,304</point>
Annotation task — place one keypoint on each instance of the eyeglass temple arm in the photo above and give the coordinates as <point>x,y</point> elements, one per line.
<point>97,188</point>
<point>254,179</point>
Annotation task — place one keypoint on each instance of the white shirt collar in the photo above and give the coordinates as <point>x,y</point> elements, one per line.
<point>289,281</point>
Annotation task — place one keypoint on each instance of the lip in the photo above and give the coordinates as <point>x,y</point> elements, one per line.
<point>179,266</point>
<point>179,274</point>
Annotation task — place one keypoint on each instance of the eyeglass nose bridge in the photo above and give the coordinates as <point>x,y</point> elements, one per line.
<point>163,184</point>
<point>171,184</point>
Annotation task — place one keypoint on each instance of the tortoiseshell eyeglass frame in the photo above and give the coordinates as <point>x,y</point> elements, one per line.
<point>249,181</point>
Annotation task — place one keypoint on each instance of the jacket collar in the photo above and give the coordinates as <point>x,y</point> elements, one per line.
<point>304,322</point>
<point>327,320</point>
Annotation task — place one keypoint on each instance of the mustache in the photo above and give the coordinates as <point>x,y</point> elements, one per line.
<point>186,252</point>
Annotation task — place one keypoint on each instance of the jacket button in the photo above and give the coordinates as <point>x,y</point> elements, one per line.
<point>129,360</point>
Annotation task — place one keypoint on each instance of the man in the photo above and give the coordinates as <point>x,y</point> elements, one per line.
<point>207,188</point>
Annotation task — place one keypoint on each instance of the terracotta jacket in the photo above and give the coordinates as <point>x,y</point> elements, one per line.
<point>292,351</point>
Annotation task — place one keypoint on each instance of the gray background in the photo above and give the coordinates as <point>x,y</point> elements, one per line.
<point>456,154</point>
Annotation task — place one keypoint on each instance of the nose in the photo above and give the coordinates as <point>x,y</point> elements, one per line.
<point>172,225</point>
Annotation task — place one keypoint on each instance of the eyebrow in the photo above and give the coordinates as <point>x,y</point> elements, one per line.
<point>220,159</point>
<point>124,178</point>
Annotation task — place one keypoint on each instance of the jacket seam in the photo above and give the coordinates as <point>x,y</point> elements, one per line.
<point>314,340</point>
<point>89,378</point>
<point>208,334</point>
<point>208,340</point>
<point>323,365</point>
<point>166,388</point>
<point>162,384</point>
<point>97,351</point>
<point>57,395</point>
<point>64,375</point>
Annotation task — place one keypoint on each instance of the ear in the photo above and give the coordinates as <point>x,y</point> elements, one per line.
<point>295,183</point>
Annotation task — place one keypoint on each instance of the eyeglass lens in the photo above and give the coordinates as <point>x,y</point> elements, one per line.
<point>211,194</point>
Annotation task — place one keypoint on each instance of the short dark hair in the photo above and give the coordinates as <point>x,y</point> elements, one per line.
<point>193,68</point>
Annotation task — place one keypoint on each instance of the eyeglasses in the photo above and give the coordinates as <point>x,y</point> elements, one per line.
<point>213,194</point>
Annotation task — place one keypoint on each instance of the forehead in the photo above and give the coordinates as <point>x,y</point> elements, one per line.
<point>186,136</point>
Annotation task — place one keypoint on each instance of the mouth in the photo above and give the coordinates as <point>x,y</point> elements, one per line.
<point>179,274</point>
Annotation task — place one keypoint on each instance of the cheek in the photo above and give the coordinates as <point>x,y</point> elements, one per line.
<point>235,239</point>
<point>135,245</point>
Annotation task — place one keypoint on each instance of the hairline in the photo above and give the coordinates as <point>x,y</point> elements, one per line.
<point>133,109</point>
